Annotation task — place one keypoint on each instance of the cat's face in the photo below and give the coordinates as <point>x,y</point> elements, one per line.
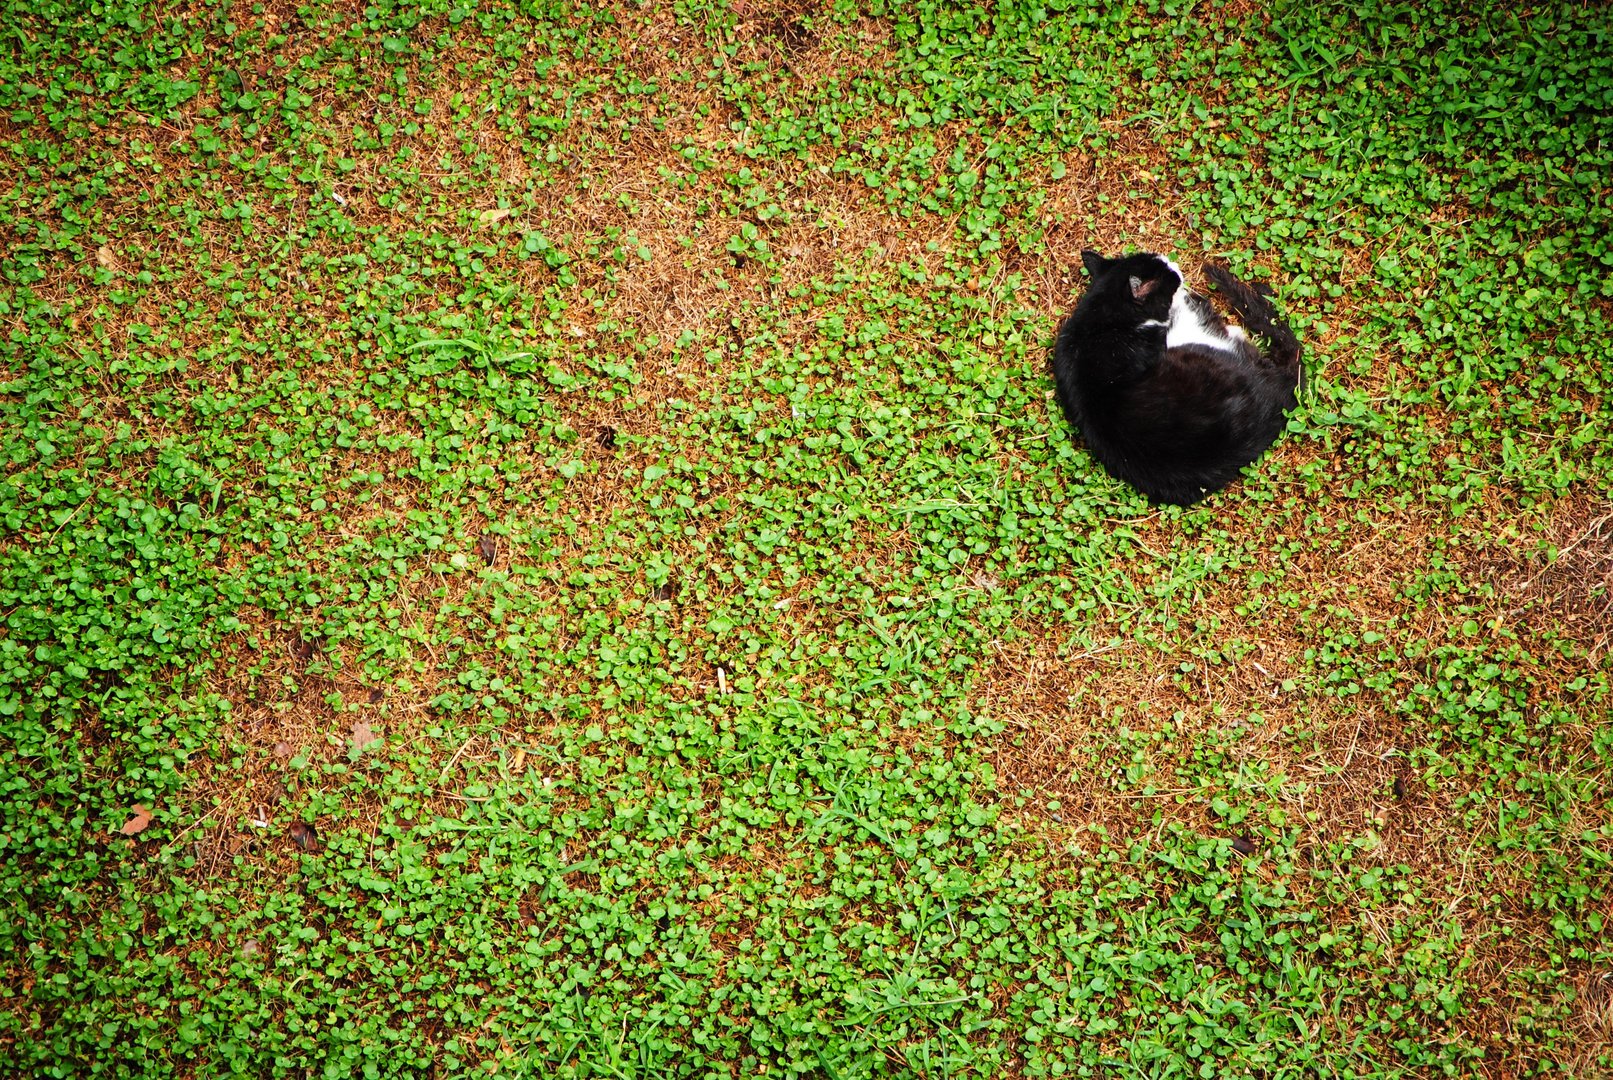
<point>1145,283</point>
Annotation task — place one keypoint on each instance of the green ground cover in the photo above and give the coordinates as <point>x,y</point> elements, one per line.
<point>537,542</point>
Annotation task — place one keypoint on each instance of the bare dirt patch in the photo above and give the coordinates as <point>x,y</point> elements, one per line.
<point>1565,586</point>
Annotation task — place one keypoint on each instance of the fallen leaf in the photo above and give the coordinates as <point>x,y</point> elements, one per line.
<point>1400,788</point>
<point>376,694</point>
<point>300,648</point>
<point>141,817</point>
<point>520,759</point>
<point>104,256</point>
<point>1243,846</point>
<point>489,549</point>
<point>362,735</point>
<point>494,216</point>
<point>249,947</point>
<point>282,749</point>
<point>305,835</point>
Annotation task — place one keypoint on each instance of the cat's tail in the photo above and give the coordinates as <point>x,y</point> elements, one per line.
<point>1254,307</point>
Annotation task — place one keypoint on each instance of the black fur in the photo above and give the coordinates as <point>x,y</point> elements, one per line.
<point>1176,423</point>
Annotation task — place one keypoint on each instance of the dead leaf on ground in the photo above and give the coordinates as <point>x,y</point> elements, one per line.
<point>304,834</point>
<point>104,256</point>
<point>489,549</point>
<point>1243,846</point>
<point>494,216</point>
<point>139,819</point>
<point>362,735</point>
<point>282,749</point>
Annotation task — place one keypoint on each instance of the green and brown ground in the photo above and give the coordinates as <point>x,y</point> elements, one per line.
<point>537,542</point>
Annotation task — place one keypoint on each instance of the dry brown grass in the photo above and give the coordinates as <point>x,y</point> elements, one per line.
<point>1591,1027</point>
<point>1566,589</point>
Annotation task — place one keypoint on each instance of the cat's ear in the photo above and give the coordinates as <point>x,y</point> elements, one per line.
<point>1140,289</point>
<point>1095,263</point>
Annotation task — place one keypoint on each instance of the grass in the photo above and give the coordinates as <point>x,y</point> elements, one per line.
<point>537,542</point>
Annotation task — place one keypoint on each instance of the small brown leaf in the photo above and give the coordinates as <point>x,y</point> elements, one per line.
<point>104,257</point>
<point>663,592</point>
<point>300,648</point>
<point>282,749</point>
<point>1399,788</point>
<point>362,735</point>
<point>305,835</point>
<point>376,694</point>
<point>139,819</point>
<point>494,216</point>
<point>1243,846</point>
<point>489,549</point>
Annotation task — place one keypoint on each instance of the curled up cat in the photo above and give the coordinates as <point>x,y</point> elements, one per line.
<point>1169,398</point>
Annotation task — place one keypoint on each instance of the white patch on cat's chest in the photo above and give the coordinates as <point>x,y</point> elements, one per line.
<point>1186,328</point>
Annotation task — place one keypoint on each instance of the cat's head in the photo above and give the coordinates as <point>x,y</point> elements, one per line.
<point>1144,283</point>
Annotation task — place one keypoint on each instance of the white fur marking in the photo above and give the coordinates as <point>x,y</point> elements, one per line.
<point>1187,329</point>
<point>1152,324</point>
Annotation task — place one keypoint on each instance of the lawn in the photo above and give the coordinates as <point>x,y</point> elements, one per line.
<point>537,541</point>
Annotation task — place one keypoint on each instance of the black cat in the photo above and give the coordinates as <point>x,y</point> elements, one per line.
<point>1170,398</point>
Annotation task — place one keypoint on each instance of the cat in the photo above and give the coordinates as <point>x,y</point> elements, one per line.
<point>1169,398</point>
